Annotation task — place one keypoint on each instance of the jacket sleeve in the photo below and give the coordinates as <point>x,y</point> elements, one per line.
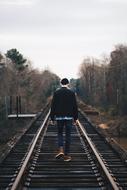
<point>75,108</point>
<point>53,105</point>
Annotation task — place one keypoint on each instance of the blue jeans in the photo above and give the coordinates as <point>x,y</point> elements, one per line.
<point>68,126</point>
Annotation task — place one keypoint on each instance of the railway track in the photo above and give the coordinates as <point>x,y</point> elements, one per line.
<point>31,164</point>
<point>110,157</point>
<point>11,165</point>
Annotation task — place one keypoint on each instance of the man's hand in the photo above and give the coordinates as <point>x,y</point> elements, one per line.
<point>75,122</point>
<point>52,122</point>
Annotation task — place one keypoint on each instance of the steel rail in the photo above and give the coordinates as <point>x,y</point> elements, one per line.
<point>110,178</point>
<point>23,167</point>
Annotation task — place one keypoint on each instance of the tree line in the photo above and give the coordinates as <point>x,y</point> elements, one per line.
<point>103,82</point>
<point>18,78</point>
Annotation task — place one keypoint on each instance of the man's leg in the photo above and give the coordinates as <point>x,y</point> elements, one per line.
<point>68,127</point>
<point>60,125</point>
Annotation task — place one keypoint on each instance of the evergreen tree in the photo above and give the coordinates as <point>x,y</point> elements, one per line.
<point>17,59</point>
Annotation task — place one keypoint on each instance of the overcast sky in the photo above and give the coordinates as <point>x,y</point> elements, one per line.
<point>59,33</point>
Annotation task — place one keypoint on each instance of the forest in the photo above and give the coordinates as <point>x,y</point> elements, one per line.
<point>102,82</point>
<point>18,78</point>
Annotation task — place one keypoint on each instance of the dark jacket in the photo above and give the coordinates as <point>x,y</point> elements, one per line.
<point>64,104</point>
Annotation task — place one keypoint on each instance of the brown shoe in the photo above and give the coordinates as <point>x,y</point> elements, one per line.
<point>60,153</point>
<point>67,158</point>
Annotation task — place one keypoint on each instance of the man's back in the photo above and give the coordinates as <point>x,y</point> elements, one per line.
<point>64,103</point>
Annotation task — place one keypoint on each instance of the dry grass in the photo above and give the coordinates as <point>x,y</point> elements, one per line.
<point>113,125</point>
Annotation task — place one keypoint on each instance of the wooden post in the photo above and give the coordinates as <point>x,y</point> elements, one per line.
<point>20,110</point>
<point>17,105</point>
<point>10,108</point>
<point>6,107</point>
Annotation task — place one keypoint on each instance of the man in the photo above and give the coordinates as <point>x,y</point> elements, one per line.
<point>64,110</point>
